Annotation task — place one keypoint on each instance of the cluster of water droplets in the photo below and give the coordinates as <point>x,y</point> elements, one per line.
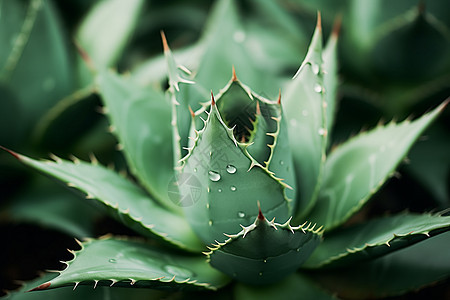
<point>215,176</point>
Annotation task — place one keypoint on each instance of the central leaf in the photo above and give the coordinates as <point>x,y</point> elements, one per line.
<point>221,183</point>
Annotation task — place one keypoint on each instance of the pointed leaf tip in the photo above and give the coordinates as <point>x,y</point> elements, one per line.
<point>213,102</point>
<point>233,76</point>
<point>16,156</point>
<point>43,286</point>
<point>279,97</point>
<point>337,26</point>
<point>319,21</point>
<point>164,41</point>
<point>84,56</point>
<point>260,214</point>
<point>192,112</point>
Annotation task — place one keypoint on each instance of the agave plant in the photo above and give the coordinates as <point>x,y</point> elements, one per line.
<point>229,186</point>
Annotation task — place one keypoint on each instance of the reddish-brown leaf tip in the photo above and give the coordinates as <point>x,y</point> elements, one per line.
<point>260,214</point>
<point>279,97</point>
<point>258,108</point>
<point>43,286</point>
<point>319,21</point>
<point>84,56</point>
<point>213,102</point>
<point>16,155</point>
<point>233,76</point>
<point>192,112</point>
<point>337,26</point>
<point>164,41</point>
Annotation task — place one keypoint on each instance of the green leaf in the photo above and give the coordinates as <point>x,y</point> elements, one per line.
<point>406,270</point>
<point>117,262</point>
<point>140,117</point>
<point>82,292</point>
<point>330,78</point>
<point>304,107</point>
<point>105,31</point>
<point>355,170</point>
<point>295,286</point>
<point>265,252</point>
<point>375,238</point>
<point>222,184</point>
<point>33,52</point>
<point>125,200</point>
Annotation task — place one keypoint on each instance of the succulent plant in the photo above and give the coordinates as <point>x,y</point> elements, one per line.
<point>227,185</point>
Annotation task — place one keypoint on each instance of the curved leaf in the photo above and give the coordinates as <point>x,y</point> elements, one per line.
<point>116,262</point>
<point>355,170</point>
<point>375,238</point>
<point>222,184</point>
<point>141,120</point>
<point>82,292</point>
<point>265,252</point>
<point>406,270</point>
<point>126,201</point>
<point>107,28</point>
<point>305,110</point>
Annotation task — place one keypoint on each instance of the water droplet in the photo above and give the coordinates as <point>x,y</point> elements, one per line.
<point>219,190</point>
<point>260,273</point>
<point>315,68</point>
<point>195,170</point>
<point>214,176</point>
<point>112,260</point>
<point>178,271</point>
<point>210,222</point>
<point>281,162</point>
<point>265,260</point>
<point>318,88</point>
<point>241,214</point>
<point>322,131</point>
<point>231,169</point>
<point>239,36</point>
<point>233,188</point>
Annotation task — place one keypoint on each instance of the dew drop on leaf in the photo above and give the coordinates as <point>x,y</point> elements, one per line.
<point>219,190</point>
<point>315,68</point>
<point>231,169</point>
<point>241,214</point>
<point>318,88</point>
<point>233,188</point>
<point>112,260</point>
<point>214,176</point>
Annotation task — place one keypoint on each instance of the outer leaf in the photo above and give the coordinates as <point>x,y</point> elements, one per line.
<point>265,252</point>
<point>304,106</point>
<point>82,292</point>
<point>296,286</point>
<point>106,30</point>
<point>330,78</point>
<point>141,119</point>
<point>117,262</point>
<point>32,51</point>
<point>356,169</point>
<point>225,184</point>
<point>126,200</point>
<point>375,238</point>
<point>406,270</point>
